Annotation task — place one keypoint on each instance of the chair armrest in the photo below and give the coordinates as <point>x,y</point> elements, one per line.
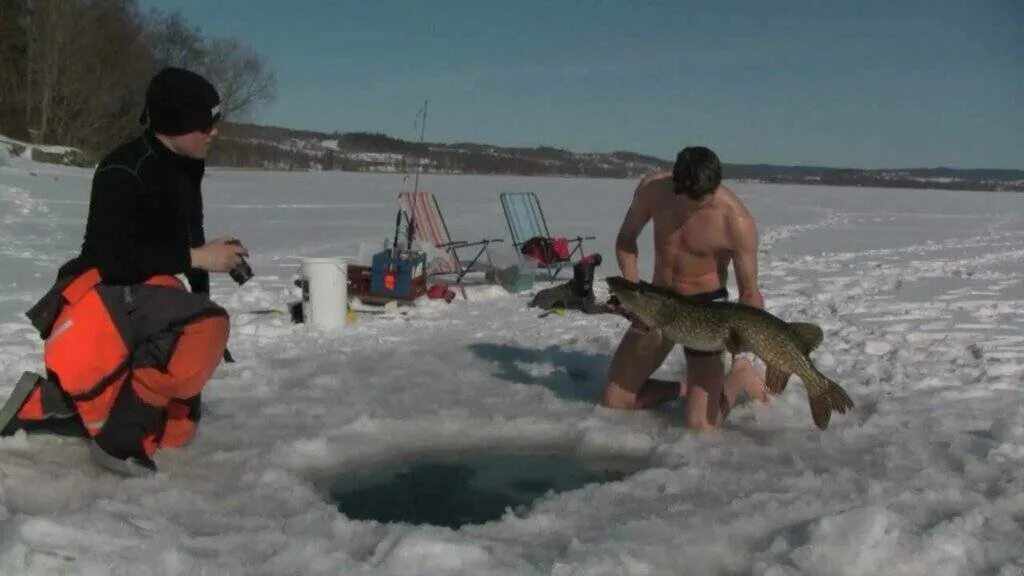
<point>453,244</point>
<point>465,244</point>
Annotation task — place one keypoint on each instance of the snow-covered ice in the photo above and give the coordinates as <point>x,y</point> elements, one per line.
<point>920,294</point>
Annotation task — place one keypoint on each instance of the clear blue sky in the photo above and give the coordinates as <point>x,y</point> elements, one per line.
<point>889,83</point>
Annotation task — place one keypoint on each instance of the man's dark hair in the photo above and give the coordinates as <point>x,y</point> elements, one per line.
<point>697,172</point>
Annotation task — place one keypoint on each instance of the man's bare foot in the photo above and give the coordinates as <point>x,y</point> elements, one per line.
<point>743,378</point>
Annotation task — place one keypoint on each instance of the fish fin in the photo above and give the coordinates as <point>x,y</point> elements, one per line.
<point>734,344</point>
<point>820,411</point>
<point>833,398</point>
<point>775,380</point>
<point>809,335</point>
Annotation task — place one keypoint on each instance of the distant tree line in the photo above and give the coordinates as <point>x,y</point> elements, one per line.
<point>74,72</point>
<point>253,146</point>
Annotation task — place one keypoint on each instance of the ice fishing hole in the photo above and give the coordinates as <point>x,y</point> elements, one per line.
<point>463,488</point>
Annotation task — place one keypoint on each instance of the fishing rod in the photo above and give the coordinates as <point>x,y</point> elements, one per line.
<point>423,131</point>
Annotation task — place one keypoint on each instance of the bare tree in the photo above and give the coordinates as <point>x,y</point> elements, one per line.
<point>102,93</point>
<point>75,71</point>
<point>239,73</point>
<point>14,42</point>
<point>53,21</point>
<point>173,41</point>
<point>90,67</point>
<point>241,76</point>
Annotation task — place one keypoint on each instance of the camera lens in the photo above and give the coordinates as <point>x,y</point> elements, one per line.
<point>241,273</point>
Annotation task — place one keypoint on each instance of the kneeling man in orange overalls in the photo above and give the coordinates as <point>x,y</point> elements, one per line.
<point>128,349</point>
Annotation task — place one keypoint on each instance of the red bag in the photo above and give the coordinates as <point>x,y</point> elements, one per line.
<point>440,291</point>
<point>546,250</point>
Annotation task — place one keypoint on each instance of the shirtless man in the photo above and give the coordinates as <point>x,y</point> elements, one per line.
<point>700,226</point>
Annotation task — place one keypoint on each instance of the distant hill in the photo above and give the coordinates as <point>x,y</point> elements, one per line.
<point>273,148</point>
<point>944,178</point>
<point>253,146</point>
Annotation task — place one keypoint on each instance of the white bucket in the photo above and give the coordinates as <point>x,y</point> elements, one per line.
<point>328,294</point>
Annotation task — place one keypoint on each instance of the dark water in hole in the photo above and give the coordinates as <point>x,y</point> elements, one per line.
<point>468,488</point>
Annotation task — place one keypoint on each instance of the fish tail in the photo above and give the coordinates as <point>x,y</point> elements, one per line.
<point>775,380</point>
<point>832,397</point>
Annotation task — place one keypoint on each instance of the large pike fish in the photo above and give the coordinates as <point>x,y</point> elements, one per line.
<point>714,326</point>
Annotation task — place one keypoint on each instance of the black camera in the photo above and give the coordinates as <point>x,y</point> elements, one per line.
<point>243,272</point>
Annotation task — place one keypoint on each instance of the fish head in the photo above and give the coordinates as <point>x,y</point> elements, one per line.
<point>646,302</point>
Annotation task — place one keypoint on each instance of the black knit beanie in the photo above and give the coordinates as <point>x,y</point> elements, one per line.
<point>179,102</point>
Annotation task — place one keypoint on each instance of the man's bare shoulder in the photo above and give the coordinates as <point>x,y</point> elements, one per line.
<point>654,179</point>
<point>731,203</point>
<point>651,184</point>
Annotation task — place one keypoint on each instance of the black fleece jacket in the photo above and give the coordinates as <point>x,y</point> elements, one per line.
<point>145,213</point>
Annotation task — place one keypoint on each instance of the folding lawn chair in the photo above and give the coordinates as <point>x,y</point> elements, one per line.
<point>423,215</point>
<point>526,223</point>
